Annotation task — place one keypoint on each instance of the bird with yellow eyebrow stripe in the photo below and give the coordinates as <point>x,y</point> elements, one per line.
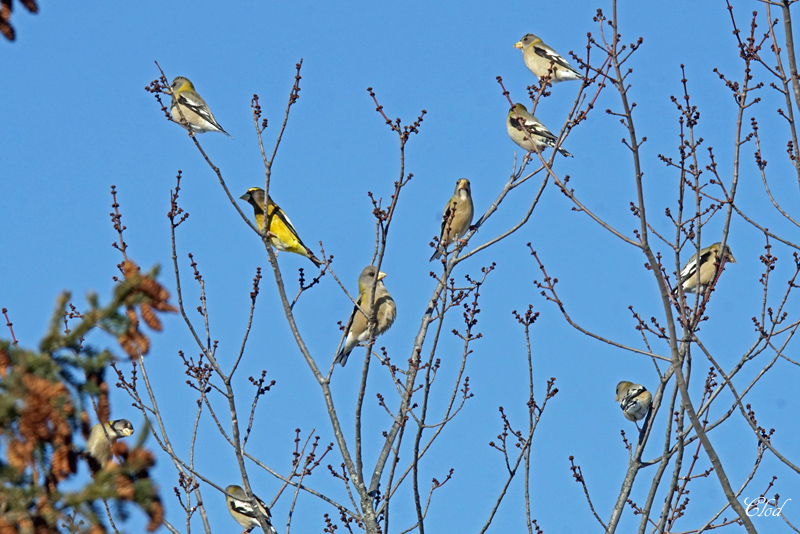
<point>457,217</point>
<point>282,236</point>
<point>543,61</point>
<point>385,311</point>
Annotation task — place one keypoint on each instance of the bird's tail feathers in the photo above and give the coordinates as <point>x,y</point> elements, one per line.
<point>341,358</point>
<point>571,74</point>
<point>316,261</point>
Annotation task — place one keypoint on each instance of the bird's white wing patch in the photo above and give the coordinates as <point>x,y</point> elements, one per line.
<point>630,397</point>
<point>551,55</point>
<point>198,105</point>
<point>691,267</point>
<point>243,508</point>
<point>537,128</point>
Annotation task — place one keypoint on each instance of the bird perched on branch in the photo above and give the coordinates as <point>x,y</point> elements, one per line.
<point>528,132</point>
<point>283,236</point>
<point>634,400</point>
<point>543,61</point>
<point>457,217</point>
<point>707,267</point>
<point>385,311</point>
<point>190,106</point>
<point>102,435</point>
<point>242,511</point>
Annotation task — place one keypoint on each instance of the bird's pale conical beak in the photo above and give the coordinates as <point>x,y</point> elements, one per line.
<point>381,275</point>
<point>518,44</point>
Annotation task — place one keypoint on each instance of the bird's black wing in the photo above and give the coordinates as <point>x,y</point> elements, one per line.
<point>630,398</point>
<point>342,356</point>
<point>690,269</point>
<point>551,55</point>
<point>245,509</point>
<point>533,128</point>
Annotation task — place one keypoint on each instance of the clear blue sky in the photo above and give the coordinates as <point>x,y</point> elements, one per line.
<point>76,120</point>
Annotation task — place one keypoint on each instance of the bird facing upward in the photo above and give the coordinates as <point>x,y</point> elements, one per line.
<point>457,217</point>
